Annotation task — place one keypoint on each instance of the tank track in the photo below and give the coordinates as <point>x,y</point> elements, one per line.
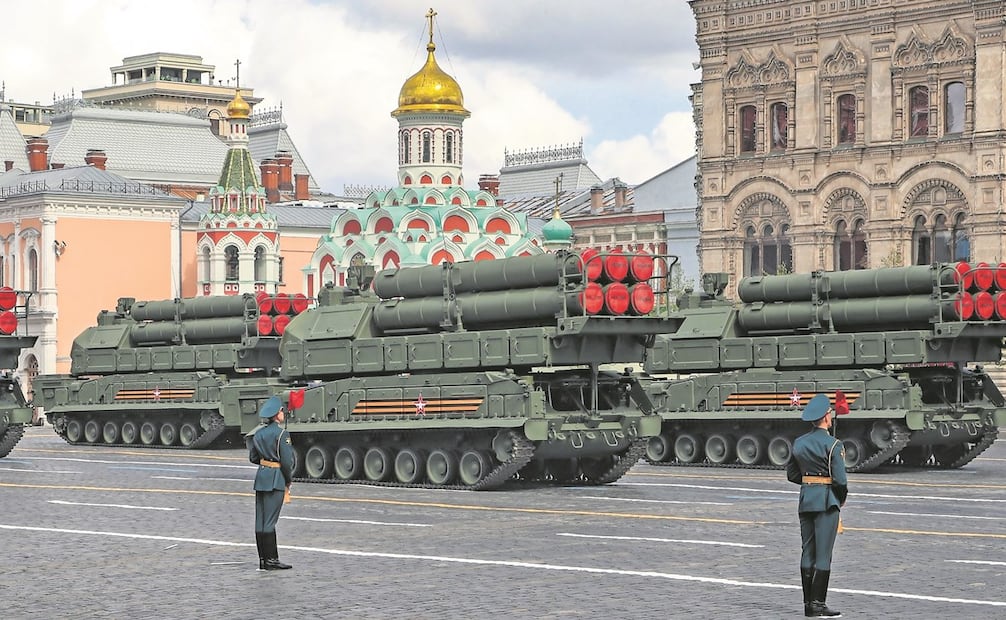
<point>988,438</point>
<point>520,454</point>
<point>623,463</point>
<point>9,438</point>
<point>202,442</point>
<point>900,437</point>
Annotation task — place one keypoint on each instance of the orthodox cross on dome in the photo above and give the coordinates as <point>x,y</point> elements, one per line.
<point>430,15</point>
<point>558,189</point>
<point>237,73</point>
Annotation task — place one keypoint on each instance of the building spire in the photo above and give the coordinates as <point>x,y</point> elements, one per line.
<point>430,15</point>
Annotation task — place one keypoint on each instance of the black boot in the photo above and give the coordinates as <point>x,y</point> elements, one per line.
<point>262,553</point>
<point>819,593</point>
<point>272,559</point>
<point>807,580</point>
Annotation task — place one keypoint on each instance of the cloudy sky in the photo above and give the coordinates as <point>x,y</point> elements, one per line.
<point>534,73</point>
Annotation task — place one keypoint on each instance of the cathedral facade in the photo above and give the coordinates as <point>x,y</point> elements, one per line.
<point>849,134</point>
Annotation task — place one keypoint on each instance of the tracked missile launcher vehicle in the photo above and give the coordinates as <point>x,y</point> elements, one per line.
<point>903,348</point>
<point>168,373</point>
<point>468,375</point>
<point>15,412</point>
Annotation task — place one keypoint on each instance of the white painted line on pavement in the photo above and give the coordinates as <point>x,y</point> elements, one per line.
<point>923,514</point>
<point>934,498</point>
<point>985,562</point>
<point>664,540</point>
<point>515,564</point>
<point>654,501</point>
<point>126,506</point>
<point>144,463</point>
<point>357,521</point>
<point>40,471</point>
<point>214,479</point>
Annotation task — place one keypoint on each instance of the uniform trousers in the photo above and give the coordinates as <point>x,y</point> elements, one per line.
<point>267,507</point>
<point>818,531</point>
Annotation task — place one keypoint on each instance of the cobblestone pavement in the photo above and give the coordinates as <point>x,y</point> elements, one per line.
<point>123,533</point>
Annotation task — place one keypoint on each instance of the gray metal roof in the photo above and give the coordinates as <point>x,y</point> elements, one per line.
<point>306,214</point>
<point>76,179</point>
<point>12,143</point>
<point>155,147</point>
<point>539,179</point>
<point>572,204</point>
<point>264,141</point>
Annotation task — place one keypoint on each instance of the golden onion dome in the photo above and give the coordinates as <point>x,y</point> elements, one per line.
<point>238,107</point>
<point>431,90</point>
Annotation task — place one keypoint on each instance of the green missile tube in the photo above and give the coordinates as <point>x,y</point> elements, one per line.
<point>518,272</point>
<point>193,308</point>
<point>489,309</point>
<point>883,282</point>
<point>197,331</point>
<point>900,312</point>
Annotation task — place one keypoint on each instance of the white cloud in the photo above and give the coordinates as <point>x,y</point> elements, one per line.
<point>638,158</point>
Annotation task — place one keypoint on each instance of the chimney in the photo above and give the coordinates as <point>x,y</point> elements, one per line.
<point>620,190</point>
<point>38,154</point>
<point>596,199</point>
<point>301,192</point>
<point>270,179</point>
<point>490,183</point>
<point>8,165</point>
<point>96,158</point>
<point>285,161</point>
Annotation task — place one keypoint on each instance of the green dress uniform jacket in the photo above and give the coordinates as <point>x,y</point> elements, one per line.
<point>272,443</point>
<point>810,457</point>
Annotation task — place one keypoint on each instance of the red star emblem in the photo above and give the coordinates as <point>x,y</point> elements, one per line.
<point>420,406</point>
<point>794,398</point>
<point>157,393</point>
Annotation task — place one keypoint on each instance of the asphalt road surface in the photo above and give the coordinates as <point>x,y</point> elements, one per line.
<point>89,532</point>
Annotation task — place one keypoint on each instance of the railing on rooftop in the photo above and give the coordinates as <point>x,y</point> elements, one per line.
<point>79,185</point>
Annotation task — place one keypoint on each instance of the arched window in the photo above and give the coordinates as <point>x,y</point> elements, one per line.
<point>207,267</point>
<point>768,251</point>
<point>405,147</point>
<point>427,147</point>
<point>32,270</point>
<point>780,126</point>
<point>232,263</point>
<point>918,107</point>
<point>748,117</point>
<point>260,264</point>
<point>846,119</point>
<point>850,246</point>
<point>921,242</point>
<point>961,242</point>
<point>449,148</point>
<point>953,108</point>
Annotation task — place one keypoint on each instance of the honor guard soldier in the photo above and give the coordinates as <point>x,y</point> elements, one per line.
<point>269,447</point>
<point>817,464</point>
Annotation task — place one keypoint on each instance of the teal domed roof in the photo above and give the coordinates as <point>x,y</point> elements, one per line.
<point>557,231</point>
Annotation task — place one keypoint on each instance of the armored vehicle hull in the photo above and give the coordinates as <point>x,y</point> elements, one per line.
<point>159,374</point>
<point>15,412</point>
<point>900,347</point>
<point>471,375</point>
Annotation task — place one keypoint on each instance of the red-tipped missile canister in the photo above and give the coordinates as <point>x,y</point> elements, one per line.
<point>999,299</point>
<point>859,283</point>
<point>8,322</point>
<point>615,266</point>
<point>8,298</point>
<point>518,272</point>
<point>279,324</point>
<point>967,279</point>
<point>266,305</point>
<point>641,267</point>
<point>298,303</point>
<point>641,299</point>
<point>1000,278</point>
<point>281,303</point>
<point>964,306</point>
<point>592,298</point>
<point>984,305</point>
<point>264,325</point>
<point>984,276</point>
<point>592,264</point>
<point>616,298</point>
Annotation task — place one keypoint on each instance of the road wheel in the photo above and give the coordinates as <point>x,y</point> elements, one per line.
<point>348,463</point>
<point>318,463</point>
<point>855,452</point>
<point>74,430</point>
<point>688,448</point>
<point>130,432</point>
<point>110,432</point>
<point>169,434</point>
<point>92,431</point>
<point>779,451</point>
<point>188,433</point>
<point>410,465</point>
<point>148,433</point>
<point>377,464</point>
<point>474,466</point>
<point>751,449</point>
<point>441,467</point>
<point>659,448</point>
<point>720,449</point>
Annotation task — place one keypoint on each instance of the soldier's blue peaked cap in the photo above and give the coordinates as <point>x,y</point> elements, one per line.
<point>816,408</point>
<point>271,407</point>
